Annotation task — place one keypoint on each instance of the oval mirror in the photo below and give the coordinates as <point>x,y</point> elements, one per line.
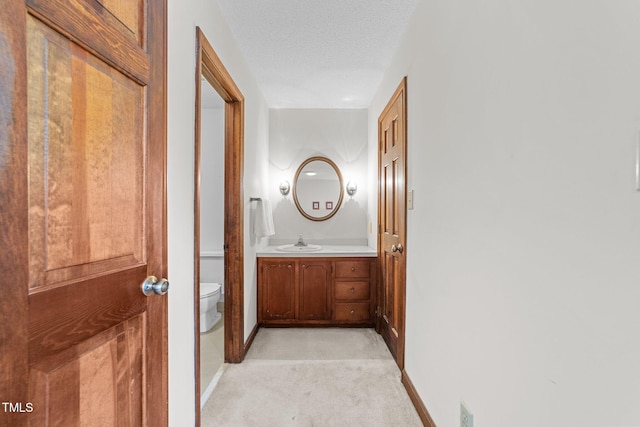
<point>318,189</point>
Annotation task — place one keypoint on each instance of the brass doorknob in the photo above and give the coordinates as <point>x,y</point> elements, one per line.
<point>400,248</point>
<point>394,248</point>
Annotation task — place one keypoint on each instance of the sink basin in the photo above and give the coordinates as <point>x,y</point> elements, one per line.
<point>294,248</point>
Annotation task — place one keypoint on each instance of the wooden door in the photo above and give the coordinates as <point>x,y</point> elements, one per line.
<point>277,290</point>
<point>392,136</point>
<point>82,212</point>
<point>315,290</point>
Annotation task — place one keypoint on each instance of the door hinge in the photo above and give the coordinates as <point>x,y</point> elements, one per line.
<point>225,247</point>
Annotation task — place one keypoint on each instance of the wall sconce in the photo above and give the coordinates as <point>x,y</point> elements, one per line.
<point>285,188</point>
<point>352,187</point>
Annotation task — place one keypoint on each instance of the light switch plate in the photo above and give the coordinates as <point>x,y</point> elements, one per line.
<point>410,199</point>
<point>638,163</point>
<point>466,418</point>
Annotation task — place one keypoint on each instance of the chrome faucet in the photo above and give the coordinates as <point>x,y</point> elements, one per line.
<point>300,241</point>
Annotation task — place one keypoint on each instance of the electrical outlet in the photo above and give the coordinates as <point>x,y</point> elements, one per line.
<point>466,418</point>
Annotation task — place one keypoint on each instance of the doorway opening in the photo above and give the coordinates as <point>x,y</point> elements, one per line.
<point>211,232</point>
<point>210,68</point>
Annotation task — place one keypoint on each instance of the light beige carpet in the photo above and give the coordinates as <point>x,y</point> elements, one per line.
<point>312,377</point>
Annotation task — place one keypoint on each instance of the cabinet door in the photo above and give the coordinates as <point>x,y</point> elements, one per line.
<point>315,290</point>
<point>278,290</point>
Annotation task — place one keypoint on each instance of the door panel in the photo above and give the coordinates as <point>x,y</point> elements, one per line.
<point>315,291</point>
<point>130,13</point>
<point>87,150</point>
<point>392,212</point>
<point>91,368</point>
<point>97,28</point>
<point>86,162</point>
<point>279,290</point>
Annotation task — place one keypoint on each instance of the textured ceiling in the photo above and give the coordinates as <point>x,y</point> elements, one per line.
<point>318,53</point>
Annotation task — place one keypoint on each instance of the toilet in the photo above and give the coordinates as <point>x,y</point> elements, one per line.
<point>209,296</point>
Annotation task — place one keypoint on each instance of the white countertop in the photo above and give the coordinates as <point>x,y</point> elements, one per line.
<point>326,251</point>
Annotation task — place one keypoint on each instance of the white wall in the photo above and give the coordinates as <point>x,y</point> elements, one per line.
<point>184,16</point>
<point>523,280</point>
<point>341,135</point>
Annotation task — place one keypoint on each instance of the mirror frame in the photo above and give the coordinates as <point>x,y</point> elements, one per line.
<point>295,185</point>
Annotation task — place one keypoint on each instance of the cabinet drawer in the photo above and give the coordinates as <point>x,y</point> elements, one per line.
<point>352,269</point>
<point>352,311</point>
<point>352,290</point>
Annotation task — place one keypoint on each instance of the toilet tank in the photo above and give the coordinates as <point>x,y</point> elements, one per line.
<point>212,269</point>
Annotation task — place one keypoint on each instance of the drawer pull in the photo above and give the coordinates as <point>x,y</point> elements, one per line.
<point>353,269</point>
<point>353,312</point>
<point>353,289</point>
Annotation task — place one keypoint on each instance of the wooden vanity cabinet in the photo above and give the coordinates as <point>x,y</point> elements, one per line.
<point>314,290</point>
<point>301,291</point>
<point>278,290</point>
<point>353,291</point>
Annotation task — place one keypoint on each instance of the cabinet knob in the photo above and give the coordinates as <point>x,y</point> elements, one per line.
<point>353,269</point>
<point>353,312</point>
<point>353,289</point>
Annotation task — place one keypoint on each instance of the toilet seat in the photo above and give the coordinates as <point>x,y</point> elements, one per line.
<point>207,289</point>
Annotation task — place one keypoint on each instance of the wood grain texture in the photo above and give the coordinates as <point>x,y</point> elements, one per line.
<point>64,386</point>
<point>311,287</point>
<point>392,141</point>
<point>208,65</point>
<point>86,198</point>
<point>352,268</point>
<point>14,262</point>
<point>86,23</point>
<point>352,311</point>
<point>314,290</point>
<point>234,229</point>
<point>86,348</point>
<point>197,168</point>
<point>211,67</point>
<point>130,13</point>
<point>279,290</point>
<point>61,318</point>
<point>352,290</point>
<point>423,413</point>
<point>157,386</point>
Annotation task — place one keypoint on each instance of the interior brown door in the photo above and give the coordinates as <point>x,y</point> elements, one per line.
<point>82,172</point>
<point>392,134</point>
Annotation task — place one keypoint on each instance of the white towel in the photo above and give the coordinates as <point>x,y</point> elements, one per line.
<point>263,220</point>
